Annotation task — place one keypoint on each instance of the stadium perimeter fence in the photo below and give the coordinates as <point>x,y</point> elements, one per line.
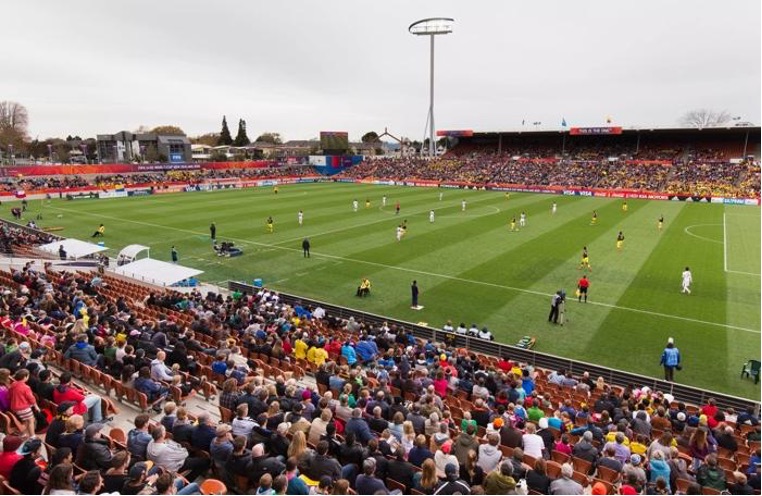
<point>681,392</point>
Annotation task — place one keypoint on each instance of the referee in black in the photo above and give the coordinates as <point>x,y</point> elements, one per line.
<point>306,247</point>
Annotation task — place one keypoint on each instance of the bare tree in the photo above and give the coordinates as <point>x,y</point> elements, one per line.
<point>702,118</point>
<point>14,116</point>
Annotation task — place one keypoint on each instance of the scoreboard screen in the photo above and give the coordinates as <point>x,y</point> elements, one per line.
<point>334,140</point>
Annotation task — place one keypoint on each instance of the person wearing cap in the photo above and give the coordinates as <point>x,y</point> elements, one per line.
<point>222,446</point>
<point>633,467</point>
<point>95,453</point>
<point>500,480</point>
<point>9,456</point>
<point>136,479</point>
<point>658,467</point>
<point>16,359</point>
<point>25,473</point>
<point>452,483</point>
<point>670,360</point>
<point>58,424</point>
<point>465,442</point>
<point>443,455</point>
<point>297,421</point>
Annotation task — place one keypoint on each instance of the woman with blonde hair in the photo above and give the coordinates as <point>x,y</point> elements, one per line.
<point>395,426</point>
<point>298,447</point>
<point>408,436</point>
<point>274,416</point>
<point>426,480</point>
<point>470,471</point>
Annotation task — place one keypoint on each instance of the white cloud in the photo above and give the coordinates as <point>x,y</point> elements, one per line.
<point>86,67</point>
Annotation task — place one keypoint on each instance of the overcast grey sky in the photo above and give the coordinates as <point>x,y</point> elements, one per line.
<point>298,67</point>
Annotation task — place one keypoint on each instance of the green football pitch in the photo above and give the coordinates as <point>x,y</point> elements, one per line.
<point>472,269</point>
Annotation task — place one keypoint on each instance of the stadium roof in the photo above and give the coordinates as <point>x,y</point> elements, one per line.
<point>157,272</point>
<point>738,130</point>
<point>74,248</point>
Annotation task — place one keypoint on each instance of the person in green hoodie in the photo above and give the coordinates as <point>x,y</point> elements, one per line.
<point>710,474</point>
<point>500,480</point>
<point>465,442</point>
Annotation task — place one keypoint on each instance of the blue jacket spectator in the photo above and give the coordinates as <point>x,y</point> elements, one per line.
<point>359,427</point>
<point>348,352</point>
<point>83,352</point>
<point>138,438</point>
<point>367,350</point>
<point>204,433</point>
<point>148,386</point>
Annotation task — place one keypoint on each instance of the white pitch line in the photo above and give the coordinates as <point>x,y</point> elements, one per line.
<point>339,259</point>
<point>744,273</point>
<point>687,231</point>
<point>724,241</point>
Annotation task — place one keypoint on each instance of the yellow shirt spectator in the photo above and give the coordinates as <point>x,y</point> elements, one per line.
<point>300,349</point>
<point>320,356</point>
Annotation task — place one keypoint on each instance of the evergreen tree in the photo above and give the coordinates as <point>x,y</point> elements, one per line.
<point>241,139</point>
<point>225,138</point>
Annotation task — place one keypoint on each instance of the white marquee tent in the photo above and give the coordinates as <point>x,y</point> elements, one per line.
<point>156,272</point>
<point>74,248</point>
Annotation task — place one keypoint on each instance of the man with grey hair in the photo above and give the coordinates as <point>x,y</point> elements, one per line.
<point>565,484</point>
<point>500,481</point>
<point>204,433</point>
<point>169,455</point>
<point>359,427</point>
<point>367,482</point>
<point>584,448</point>
<point>622,452</point>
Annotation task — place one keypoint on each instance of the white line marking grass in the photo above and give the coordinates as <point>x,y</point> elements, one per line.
<point>339,259</point>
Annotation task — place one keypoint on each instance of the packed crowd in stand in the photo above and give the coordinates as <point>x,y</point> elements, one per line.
<point>29,184</point>
<point>312,404</point>
<point>480,168</point>
<point>657,170</point>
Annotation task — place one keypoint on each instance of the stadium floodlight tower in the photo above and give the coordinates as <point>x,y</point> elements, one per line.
<point>431,27</point>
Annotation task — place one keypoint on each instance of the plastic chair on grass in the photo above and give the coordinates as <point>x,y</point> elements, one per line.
<point>751,369</point>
